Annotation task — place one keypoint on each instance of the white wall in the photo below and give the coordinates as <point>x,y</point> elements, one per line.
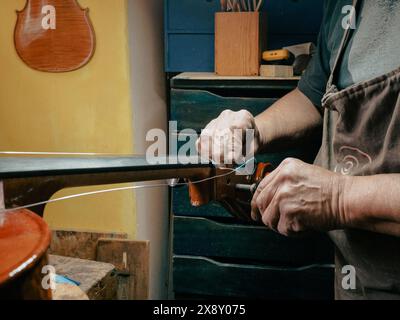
<point>150,111</point>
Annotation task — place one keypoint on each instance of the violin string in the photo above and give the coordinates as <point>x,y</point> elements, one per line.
<point>44,153</point>
<point>136,187</point>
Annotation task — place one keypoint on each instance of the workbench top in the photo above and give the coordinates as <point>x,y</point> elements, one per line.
<point>215,77</point>
<point>211,81</point>
<point>97,280</point>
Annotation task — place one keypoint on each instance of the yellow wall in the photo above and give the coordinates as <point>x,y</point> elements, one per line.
<point>83,111</point>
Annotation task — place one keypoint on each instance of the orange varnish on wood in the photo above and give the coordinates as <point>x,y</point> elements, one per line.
<point>24,239</point>
<point>54,35</point>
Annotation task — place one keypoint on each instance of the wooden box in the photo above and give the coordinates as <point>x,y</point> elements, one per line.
<point>240,38</point>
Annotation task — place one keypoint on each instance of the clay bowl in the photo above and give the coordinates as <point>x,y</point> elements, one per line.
<point>24,240</point>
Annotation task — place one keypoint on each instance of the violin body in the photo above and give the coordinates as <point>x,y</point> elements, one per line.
<point>54,35</point>
<point>24,240</point>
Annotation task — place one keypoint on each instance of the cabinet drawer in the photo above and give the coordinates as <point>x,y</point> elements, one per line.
<point>206,277</point>
<point>205,237</point>
<point>194,109</point>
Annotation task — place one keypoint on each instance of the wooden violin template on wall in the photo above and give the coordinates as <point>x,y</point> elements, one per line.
<point>54,35</point>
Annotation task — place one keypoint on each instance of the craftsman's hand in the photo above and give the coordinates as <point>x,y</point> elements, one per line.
<point>229,138</point>
<point>298,197</point>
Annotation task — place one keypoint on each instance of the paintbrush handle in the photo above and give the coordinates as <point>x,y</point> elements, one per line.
<point>238,6</point>
<point>259,5</point>
<point>224,7</point>
<point>243,3</point>
<point>229,6</point>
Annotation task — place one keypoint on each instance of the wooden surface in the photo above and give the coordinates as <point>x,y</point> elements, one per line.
<point>130,258</point>
<point>30,181</point>
<point>97,279</point>
<point>79,244</point>
<point>21,167</point>
<point>216,77</point>
<point>70,292</point>
<point>275,71</point>
<point>67,47</point>
<point>132,261</point>
<point>238,43</point>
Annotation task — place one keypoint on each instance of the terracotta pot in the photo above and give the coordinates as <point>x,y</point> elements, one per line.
<point>24,240</point>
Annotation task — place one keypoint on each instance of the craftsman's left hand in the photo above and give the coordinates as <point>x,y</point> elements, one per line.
<point>298,197</point>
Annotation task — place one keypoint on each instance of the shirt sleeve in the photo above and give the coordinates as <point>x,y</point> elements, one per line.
<point>314,80</point>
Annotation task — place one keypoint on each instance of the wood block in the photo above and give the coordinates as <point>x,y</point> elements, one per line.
<point>69,292</point>
<point>97,280</point>
<point>276,71</point>
<point>79,244</point>
<point>132,261</point>
<point>239,42</point>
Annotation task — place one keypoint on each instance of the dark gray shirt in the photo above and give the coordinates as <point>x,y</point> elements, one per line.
<point>373,50</point>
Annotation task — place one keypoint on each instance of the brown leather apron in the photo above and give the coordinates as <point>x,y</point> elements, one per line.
<point>362,137</point>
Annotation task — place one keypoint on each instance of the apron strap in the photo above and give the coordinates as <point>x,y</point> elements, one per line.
<point>339,57</point>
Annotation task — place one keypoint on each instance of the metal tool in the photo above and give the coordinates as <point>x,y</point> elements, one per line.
<point>247,187</point>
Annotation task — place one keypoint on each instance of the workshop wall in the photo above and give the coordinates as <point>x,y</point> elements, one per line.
<point>88,110</point>
<point>149,111</point>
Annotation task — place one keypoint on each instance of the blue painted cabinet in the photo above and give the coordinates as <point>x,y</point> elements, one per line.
<point>215,255</point>
<point>189,29</point>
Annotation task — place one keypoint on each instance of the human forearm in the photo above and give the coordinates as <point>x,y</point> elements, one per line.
<point>290,119</point>
<point>299,197</point>
<point>372,203</point>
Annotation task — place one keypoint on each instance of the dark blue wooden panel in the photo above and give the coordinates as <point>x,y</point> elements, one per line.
<point>208,238</point>
<point>190,52</point>
<point>294,16</point>
<point>284,16</point>
<point>278,41</point>
<point>289,22</point>
<point>207,277</point>
<point>194,109</point>
<point>195,15</point>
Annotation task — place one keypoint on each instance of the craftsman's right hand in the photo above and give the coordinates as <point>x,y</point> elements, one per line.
<point>224,139</point>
